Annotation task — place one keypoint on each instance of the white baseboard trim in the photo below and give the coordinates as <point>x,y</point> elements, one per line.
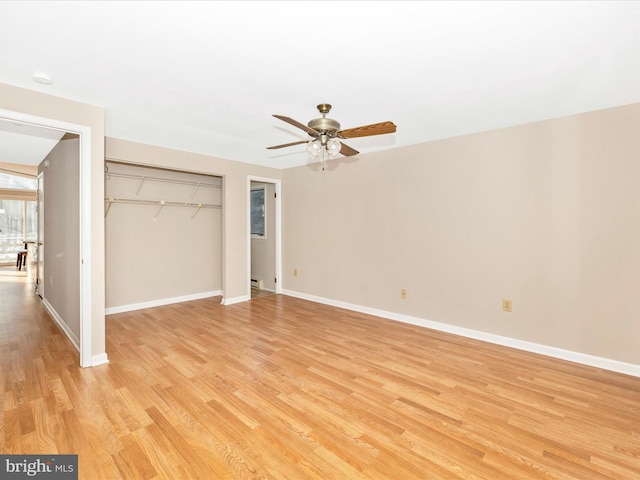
<point>160,302</point>
<point>577,357</point>
<point>232,300</point>
<point>62,324</point>
<point>99,359</point>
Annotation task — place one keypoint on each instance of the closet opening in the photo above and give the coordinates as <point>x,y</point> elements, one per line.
<point>163,236</point>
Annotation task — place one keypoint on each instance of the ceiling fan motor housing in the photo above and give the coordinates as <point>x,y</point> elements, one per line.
<point>325,125</point>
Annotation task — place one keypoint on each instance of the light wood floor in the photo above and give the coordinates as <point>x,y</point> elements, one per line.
<point>280,388</point>
<point>10,274</point>
<point>257,293</point>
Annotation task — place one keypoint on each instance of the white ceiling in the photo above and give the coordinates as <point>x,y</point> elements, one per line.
<point>26,144</point>
<point>207,76</point>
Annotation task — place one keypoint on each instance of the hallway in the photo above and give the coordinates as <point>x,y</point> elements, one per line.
<point>34,356</point>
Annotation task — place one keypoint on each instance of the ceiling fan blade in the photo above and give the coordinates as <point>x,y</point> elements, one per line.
<point>368,130</point>
<point>287,144</point>
<point>295,123</point>
<point>347,151</point>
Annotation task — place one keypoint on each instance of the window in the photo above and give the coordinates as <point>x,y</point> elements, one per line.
<point>16,182</point>
<point>18,220</point>
<point>258,211</point>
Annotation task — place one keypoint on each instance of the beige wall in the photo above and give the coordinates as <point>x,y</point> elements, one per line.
<point>235,199</point>
<point>545,214</point>
<point>61,170</point>
<point>263,261</point>
<point>156,254</point>
<point>60,109</point>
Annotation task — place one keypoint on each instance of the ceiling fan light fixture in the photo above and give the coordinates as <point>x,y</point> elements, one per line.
<point>333,147</point>
<point>314,147</point>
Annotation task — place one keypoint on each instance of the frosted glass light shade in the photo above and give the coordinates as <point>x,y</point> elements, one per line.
<point>314,147</point>
<point>333,147</point>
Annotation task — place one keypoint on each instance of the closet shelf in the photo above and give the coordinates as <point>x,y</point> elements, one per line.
<point>143,178</point>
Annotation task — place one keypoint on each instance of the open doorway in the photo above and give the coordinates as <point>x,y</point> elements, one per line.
<point>18,222</point>
<point>264,236</point>
<point>23,147</point>
<point>80,334</point>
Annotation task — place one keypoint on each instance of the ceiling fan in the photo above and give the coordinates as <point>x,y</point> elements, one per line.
<point>326,134</point>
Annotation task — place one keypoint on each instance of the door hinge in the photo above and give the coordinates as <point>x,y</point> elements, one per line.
<point>275,280</point>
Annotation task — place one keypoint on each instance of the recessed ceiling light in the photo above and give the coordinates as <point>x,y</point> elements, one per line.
<point>43,78</point>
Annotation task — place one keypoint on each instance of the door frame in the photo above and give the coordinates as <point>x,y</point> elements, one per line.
<point>84,133</point>
<point>39,289</point>
<point>278,228</point>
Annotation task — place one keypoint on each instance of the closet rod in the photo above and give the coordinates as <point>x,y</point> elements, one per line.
<point>159,179</point>
<point>111,200</point>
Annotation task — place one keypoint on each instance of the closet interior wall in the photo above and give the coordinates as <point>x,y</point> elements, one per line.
<point>163,236</point>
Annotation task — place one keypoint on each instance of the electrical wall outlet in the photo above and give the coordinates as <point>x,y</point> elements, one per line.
<point>403,294</point>
<point>295,272</point>
<point>506,305</point>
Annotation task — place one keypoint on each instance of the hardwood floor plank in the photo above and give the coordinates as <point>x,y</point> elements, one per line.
<point>168,464</point>
<point>43,428</point>
<point>457,459</point>
<point>132,461</point>
<point>196,463</point>
<point>11,438</point>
